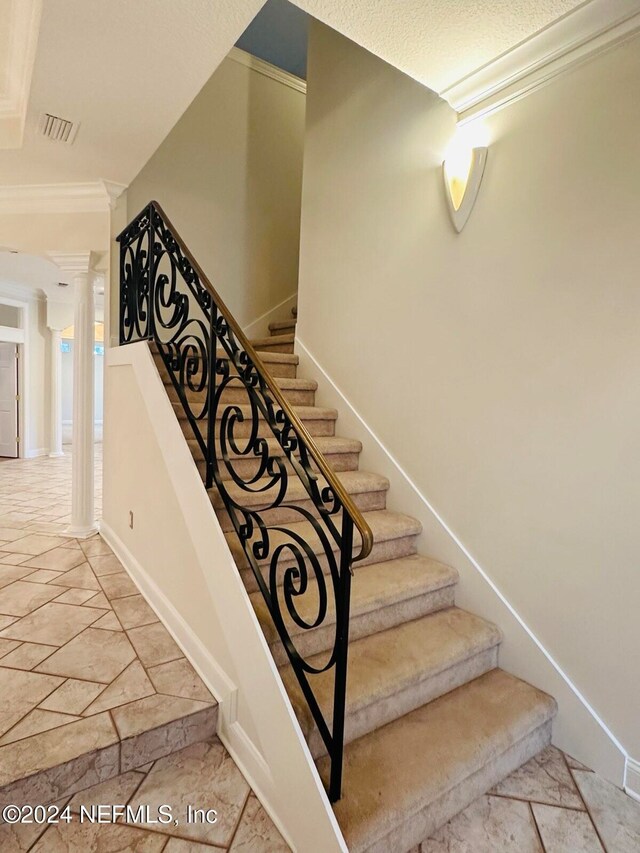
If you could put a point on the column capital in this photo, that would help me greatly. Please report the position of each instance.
(72, 263)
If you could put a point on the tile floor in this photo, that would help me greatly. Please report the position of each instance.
(56, 676)
(86, 669)
(552, 804)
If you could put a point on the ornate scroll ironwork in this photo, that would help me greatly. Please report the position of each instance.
(256, 451)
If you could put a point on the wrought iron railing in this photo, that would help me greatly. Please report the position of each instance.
(166, 299)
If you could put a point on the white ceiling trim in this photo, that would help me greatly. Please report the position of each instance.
(94, 197)
(23, 27)
(262, 67)
(580, 34)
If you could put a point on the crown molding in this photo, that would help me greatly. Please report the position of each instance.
(268, 70)
(586, 31)
(23, 27)
(94, 197)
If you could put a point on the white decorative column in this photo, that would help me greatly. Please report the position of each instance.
(82, 490)
(55, 423)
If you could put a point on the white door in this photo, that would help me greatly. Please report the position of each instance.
(8, 399)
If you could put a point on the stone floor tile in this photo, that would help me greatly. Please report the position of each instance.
(118, 586)
(615, 814)
(180, 845)
(81, 576)
(153, 711)
(11, 559)
(58, 559)
(42, 576)
(72, 697)
(20, 692)
(9, 574)
(545, 779)
(134, 611)
(179, 678)
(109, 622)
(57, 746)
(130, 685)
(34, 544)
(98, 838)
(105, 564)
(99, 600)
(53, 624)
(488, 825)
(27, 656)
(5, 621)
(7, 646)
(88, 656)
(574, 764)
(202, 775)
(95, 547)
(257, 832)
(35, 722)
(22, 597)
(154, 644)
(566, 830)
(114, 791)
(75, 596)
(18, 837)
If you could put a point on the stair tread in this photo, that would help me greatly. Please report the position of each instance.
(283, 382)
(266, 356)
(326, 444)
(392, 773)
(305, 413)
(273, 340)
(374, 586)
(385, 525)
(355, 482)
(385, 664)
(282, 324)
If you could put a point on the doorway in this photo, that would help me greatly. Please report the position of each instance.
(9, 400)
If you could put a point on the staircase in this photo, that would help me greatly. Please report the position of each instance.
(431, 721)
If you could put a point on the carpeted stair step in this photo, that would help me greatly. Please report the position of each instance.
(275, 343)
(394, 536)
(283, 327)
(408, 778)
(318, 421)
(382, 595)
(277, 363)
(396, 671)
(369, 492)
(341, 453)
(298, 392)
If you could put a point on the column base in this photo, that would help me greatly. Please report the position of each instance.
(81, 532)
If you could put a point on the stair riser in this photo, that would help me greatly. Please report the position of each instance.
(381, 552)
(284, 329)
(416, 827)
(319, 427)
(276, 369)
(365, 501)
(321, 639)
(85, 770)
(384, 711)
(268, 347)
(239, 395)
(248, 467)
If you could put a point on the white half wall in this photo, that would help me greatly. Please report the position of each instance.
(177, 553)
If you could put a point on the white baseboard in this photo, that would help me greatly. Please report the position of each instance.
(259, 327)
(429, 510)
(35, 452)
(632, 779)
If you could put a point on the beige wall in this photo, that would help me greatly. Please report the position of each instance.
(498, 366)
(228, 176)
(38, 233)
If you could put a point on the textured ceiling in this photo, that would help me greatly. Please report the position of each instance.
(438, 41)
(127, 69)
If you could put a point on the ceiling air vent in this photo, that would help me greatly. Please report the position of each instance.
(58, 129)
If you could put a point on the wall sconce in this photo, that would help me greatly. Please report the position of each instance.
(462, 169)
